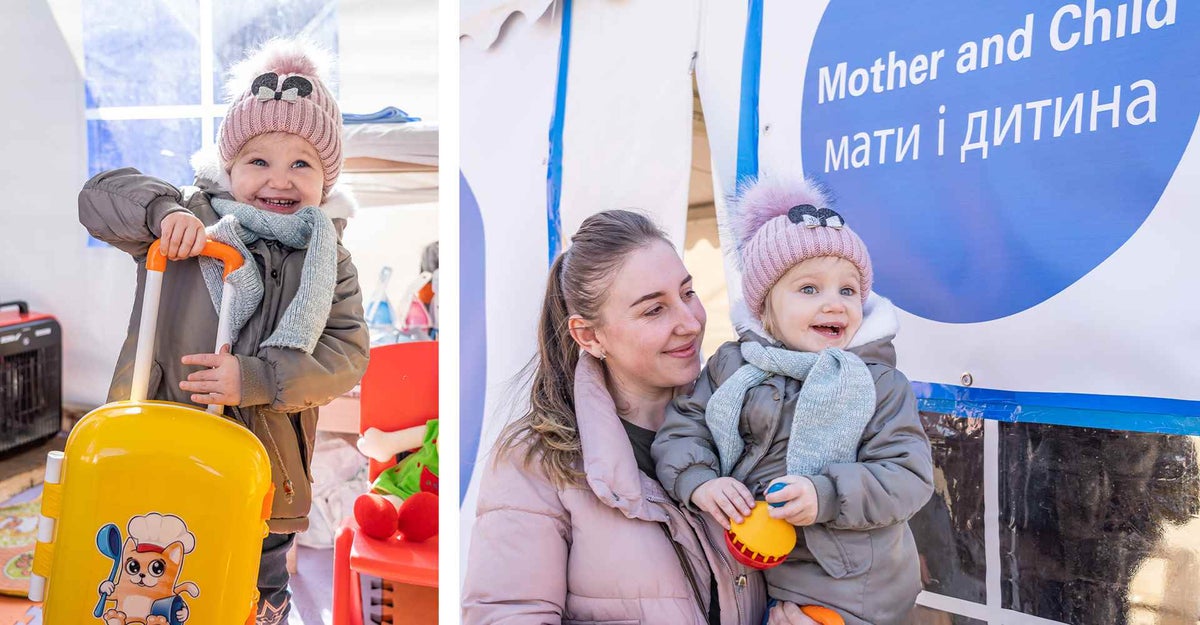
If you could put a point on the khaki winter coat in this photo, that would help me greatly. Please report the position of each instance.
(859, 557)
(281, 388)
(597, 552)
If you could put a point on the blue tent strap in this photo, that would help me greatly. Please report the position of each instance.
(1110, 412)
(747, 154)
(388, 115)
(554, 162)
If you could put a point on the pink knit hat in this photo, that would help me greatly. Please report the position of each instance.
(777, 223)
(279, 89)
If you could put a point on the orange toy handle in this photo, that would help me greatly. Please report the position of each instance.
(822, 615)
(220, 251)
(156, 265)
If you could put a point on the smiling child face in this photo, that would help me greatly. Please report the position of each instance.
(277, 172)
(815, 305)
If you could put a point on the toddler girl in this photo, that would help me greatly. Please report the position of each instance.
(813, 401)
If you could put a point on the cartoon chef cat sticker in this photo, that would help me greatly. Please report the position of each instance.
(144, 585)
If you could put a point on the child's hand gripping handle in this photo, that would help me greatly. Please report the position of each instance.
(156, 264)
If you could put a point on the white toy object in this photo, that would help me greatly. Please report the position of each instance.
(382, 446)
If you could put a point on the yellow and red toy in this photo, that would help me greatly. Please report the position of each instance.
(760, 541)
(155, 512)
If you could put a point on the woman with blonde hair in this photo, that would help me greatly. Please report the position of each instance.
(571, 526)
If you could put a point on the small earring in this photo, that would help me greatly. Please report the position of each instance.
(602, 356)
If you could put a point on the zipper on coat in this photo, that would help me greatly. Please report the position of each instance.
(688, 571)
(726, 558)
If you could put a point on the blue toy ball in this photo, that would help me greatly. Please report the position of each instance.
(774, 487)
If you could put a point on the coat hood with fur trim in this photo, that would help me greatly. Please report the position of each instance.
(212, 178)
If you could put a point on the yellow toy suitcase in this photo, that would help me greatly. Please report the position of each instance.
(155, 512)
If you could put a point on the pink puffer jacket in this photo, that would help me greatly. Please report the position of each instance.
(597, 554)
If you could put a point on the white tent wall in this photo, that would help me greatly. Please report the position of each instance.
(621, 150)
(628, 128)
(718, 79)
(507, 98)
(482, 20)
(43, 254)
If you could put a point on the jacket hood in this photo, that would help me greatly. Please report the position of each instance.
(879, 321)
(608, 463)
(872, 342)
(211, 177)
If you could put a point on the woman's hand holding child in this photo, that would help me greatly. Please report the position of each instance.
(182, 235)
(724, 498)
(800, 496)
(788, 613)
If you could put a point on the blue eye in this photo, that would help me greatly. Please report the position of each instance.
(259, 162)
(300, 164)
(848, 292)
(808, 290)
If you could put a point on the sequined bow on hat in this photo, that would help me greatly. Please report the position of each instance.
(812, 217)
(293, 88)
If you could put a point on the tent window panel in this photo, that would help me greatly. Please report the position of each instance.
(1099, 526)
(239, 26)
(949, 528)
(141, 52)
(159, 147)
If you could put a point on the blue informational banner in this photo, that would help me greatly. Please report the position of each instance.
(996, 153)
(1025, 176)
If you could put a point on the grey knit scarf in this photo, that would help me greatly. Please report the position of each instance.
(833, 407)
(308, 228)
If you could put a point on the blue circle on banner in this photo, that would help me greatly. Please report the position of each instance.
(473, 335)
(971, 240)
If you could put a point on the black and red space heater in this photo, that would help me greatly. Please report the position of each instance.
(30, 377)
